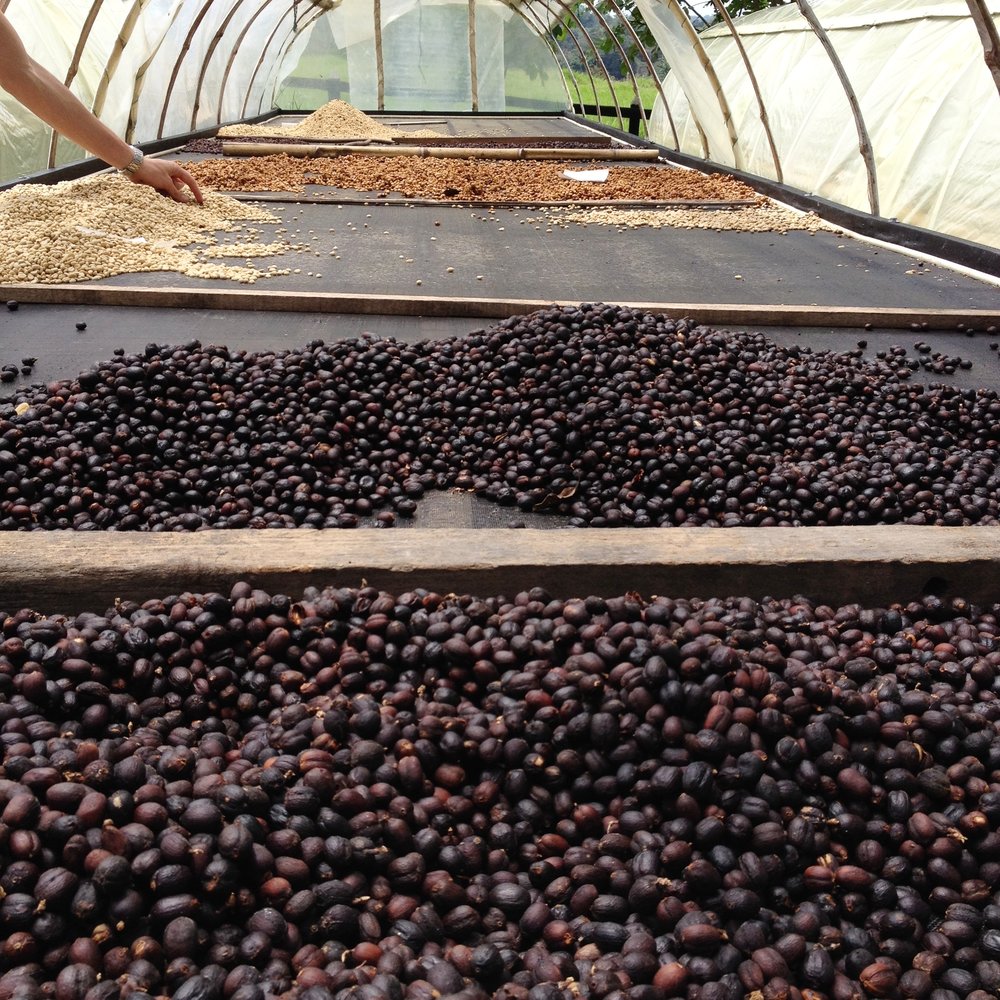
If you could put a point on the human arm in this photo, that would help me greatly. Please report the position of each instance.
(46, 96)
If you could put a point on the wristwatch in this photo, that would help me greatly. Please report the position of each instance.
(133, 165)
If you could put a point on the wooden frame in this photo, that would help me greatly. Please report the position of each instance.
(626, 20)
(706, 64)
(528, 14)
(547, 4)
(209, 53)
(175, 72)
(124, 37)
(271, 300)
(236, 48)
(379, 59)
(473, 57)
(140, 78)
(65, 572)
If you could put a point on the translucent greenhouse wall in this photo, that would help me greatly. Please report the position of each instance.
(426, 54)
(928, 101)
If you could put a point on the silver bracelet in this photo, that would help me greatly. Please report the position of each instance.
(133, 165)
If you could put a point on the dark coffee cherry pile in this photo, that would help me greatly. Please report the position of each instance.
(360, 796)
(607, 416)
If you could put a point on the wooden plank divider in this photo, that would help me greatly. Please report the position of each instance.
(312, 150)
(714, 313)
(66, 571)
(399, 201)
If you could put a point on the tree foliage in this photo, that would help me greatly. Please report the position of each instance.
(737, 8)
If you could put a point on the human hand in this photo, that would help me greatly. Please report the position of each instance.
(169, 177)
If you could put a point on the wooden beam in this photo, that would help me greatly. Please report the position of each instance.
(313, 149)
(379, 61)
(203, 71)
(761, 107)
(988, 34)
(272, 300)
(473, 57)
(625, 20)
(295, 198)
(175, 72)
(864, 139)
(67, 572)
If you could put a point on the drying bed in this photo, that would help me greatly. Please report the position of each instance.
(212, 790)
(609, 416)
(350, 794)
(379, 250)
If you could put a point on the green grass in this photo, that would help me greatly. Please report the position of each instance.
(623, 90)
(321, 67)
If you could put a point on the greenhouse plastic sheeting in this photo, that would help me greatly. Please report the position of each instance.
(157, 68)
(710, 135)
(50, 31)
(929, 103)
(427, 45)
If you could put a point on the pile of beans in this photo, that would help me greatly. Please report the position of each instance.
(334, 120)
(360, 796)
(104, 225)
(767, 217)
(608, 416)
(467, 180)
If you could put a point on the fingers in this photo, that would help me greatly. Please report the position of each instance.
(179, 180)
(191, 183)
(169, 178)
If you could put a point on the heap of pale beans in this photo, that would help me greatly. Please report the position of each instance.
(105, 225)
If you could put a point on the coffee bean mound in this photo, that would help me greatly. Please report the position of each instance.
(359, 795)
(605, 415)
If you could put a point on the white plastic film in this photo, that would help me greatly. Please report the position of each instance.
(668, 27)
(929, 104)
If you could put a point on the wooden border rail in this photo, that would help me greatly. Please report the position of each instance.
(271, 300)
(309, 150)
(66, 571)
